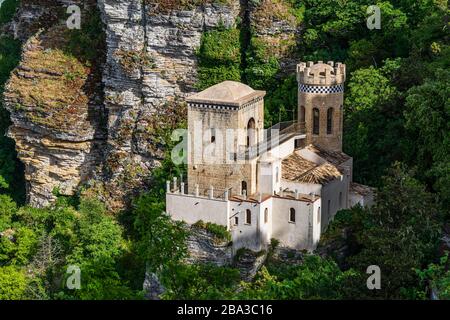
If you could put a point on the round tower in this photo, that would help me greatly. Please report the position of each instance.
(320, 102)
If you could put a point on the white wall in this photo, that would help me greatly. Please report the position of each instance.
(191, 209)
(286, 148)
(267, 176)
(246, 235)
(295, 235)
(305, 188)
(331, 194)
(364, 201)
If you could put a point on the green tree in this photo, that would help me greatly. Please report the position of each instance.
(200, 281)
(315, 278)
(13, 283)
(428, 123)
(161, 241)
(437, 278)
(399, 234)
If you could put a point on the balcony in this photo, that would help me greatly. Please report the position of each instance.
(273, 136)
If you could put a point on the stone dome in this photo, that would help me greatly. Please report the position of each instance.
(227, 92)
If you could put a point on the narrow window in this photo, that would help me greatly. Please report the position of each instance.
(248, 217)
(329, 207)
(330, 121)
(318, 215)
(316, 124)
(340, 199)
(251, 126)
(213, 135)
(277, 175)
(292, 215)
(244, 187)
(236, 221)
(266, 215)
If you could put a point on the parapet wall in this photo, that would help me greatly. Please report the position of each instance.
(321, 74)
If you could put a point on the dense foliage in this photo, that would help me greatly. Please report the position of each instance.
(10, 169)
(397, 118)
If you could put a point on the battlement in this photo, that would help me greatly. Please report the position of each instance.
(321, 74)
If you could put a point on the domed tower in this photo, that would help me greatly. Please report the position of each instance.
(320, 102)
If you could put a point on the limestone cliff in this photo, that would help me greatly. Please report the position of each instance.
(75, 122)
(150, 62)
(56, 106)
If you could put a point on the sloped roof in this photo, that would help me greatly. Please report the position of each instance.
(331, 156)
(296, 168)
(361, 189)
(227, 92)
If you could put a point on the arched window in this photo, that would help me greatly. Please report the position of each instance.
(213, 135)
(302, 114)
(251, 136)
(244, 187)
(316, 122)
(292, 215)
(248, 216)
(266, 215)
(330, 121)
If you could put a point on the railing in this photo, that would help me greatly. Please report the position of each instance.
(274, 136)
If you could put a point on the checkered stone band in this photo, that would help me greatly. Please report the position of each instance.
(322, 89)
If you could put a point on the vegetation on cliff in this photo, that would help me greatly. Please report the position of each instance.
(11, 170)
(397, 110)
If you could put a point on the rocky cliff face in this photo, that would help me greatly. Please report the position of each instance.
(73, 121)
(151, 62)
(56, 106)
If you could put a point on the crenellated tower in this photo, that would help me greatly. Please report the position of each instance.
(320, 102)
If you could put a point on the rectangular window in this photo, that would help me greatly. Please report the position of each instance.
(236, 221)
(292, 215)
(248, 217)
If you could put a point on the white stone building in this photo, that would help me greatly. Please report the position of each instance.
(286, 182)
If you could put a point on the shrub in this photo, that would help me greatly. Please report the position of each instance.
(220, 232)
